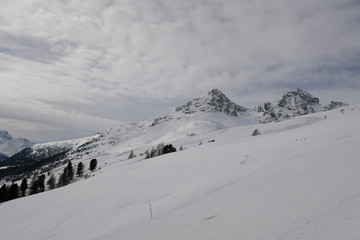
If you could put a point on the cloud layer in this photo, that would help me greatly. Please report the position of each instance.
(68, 68)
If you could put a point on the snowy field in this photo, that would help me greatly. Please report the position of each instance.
(298, 179)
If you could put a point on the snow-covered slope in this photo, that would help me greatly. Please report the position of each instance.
(146, 134)
(207, 113)
(298, 179)
(9, 145)
(44, 150)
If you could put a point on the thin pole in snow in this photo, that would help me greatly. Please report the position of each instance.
(151, 215)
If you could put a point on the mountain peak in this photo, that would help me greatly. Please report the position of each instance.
(293, 103)
(216, 92)
(298, 98)
(5, 135)
(333, 105)
(214, 101)
(10, 145)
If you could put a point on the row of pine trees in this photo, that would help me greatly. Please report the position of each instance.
(37, 184)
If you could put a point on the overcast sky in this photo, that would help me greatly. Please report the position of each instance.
(71, 68)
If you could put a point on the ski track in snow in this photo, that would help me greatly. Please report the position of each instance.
(337, 217)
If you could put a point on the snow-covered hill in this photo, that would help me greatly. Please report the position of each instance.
(207, 113)
(298, 179)
(9, 145)
(210, 112)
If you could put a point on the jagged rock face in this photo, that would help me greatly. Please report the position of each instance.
(293, 103)
(214, 101)
(298, 100)
(334, 105)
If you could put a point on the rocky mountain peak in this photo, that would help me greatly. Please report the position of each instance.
(293, 103)
(5, 136)
(10, 145)
(334, 105)
(214, 101)
(298, 98)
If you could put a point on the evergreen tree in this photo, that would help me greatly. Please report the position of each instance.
(34, 185)
(159, 149)
(93, 164)
(51, 182)
(13, 191)
(63, 179)
(80, 169)
(147, 154)
(41, 182)
(70, 171)
(23, 187)
(131, 155)
(255, 132)
(3, 193)
(152, 153)
(169, 148)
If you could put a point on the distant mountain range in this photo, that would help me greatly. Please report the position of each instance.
(293, 103)
(210, 112)
(3, 157)
(9, 145)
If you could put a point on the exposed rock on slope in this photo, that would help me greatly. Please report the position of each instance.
(214, 101)
(293, 103)
(334, 105)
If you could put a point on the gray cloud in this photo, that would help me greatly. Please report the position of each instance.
(95, 62)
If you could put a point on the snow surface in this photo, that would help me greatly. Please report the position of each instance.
(299, 179)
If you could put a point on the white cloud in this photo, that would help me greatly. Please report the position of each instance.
(75, 58)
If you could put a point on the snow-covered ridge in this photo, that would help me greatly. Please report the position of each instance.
(214, 101)
(41, 151)
(208, 113)
(9, 145)
(334, 105)
(51, 148)
(293, 103)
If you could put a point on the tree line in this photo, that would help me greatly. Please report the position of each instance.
(160, 149)
(38, 184)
